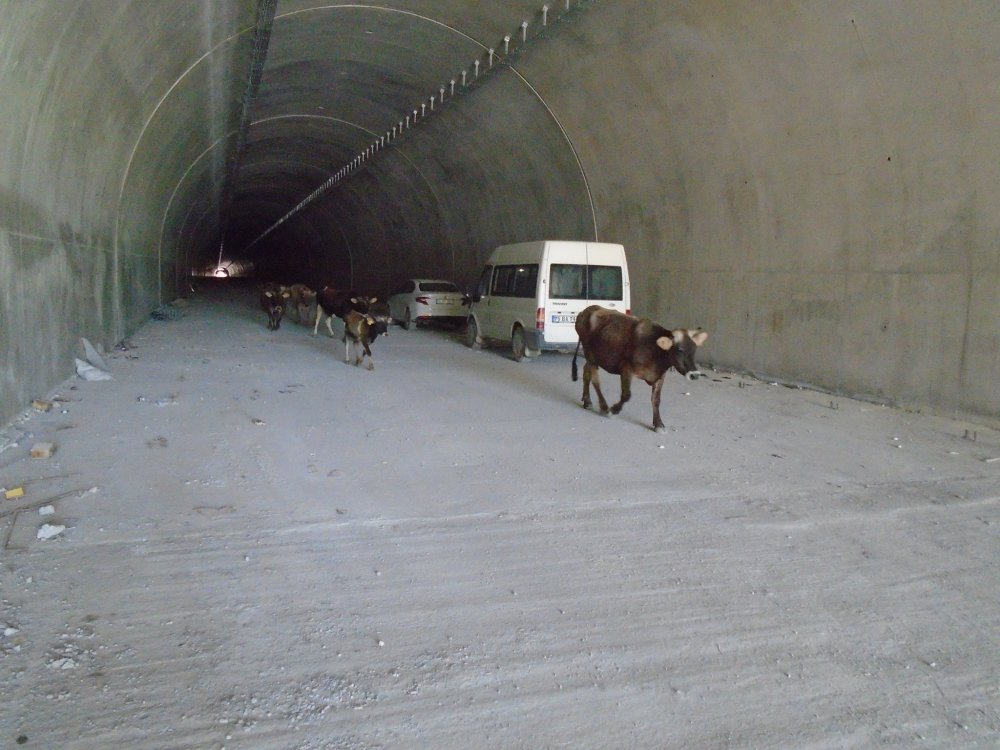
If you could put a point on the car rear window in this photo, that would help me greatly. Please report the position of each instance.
(437, 286)
(577, 281)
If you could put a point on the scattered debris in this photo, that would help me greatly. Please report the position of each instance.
(14, 493)
(42, 450)
(992, 460)
(88, 372)
(971, 435)
(257, 422)
(47, 510)
(169, 311)
(49, 531)
(93, 356)
(9, 439)
(157, 442)
(39, 405)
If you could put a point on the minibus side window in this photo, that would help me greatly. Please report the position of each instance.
(525, 280)
(483, 287)
(502, 281)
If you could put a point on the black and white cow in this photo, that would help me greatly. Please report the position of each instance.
(339, 302)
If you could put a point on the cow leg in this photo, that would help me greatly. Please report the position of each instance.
(657, 422)
(368, 351)
(329, 326)
(319, 314)
(595, 378)
(626, 390)
(587, 370)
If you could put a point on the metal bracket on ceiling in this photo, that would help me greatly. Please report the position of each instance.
(467, 86)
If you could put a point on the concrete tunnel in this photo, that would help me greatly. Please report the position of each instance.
(814, 183)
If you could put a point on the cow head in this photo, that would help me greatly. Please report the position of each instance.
(362, 303)
(683, 344)
(379, 319)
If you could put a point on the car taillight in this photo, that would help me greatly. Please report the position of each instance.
(540, 318)
(423, 300)
(628, 310)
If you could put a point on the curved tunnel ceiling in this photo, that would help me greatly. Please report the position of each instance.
(474, 171)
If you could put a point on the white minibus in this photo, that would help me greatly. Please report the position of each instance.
(529, 293)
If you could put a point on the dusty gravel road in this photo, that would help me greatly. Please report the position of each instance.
(267, 548)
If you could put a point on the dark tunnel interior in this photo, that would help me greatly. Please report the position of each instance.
(435, 176)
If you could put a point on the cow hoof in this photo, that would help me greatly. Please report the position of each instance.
(659, 429)
(616, 409)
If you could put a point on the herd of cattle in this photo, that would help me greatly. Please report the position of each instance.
(365, 318)
(621, 344)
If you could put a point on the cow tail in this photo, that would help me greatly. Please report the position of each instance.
(574, 372)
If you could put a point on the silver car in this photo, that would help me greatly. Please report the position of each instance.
(421, 301)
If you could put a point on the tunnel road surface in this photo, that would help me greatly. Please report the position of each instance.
(264, 547)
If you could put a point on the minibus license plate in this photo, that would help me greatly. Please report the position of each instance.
(563, 318)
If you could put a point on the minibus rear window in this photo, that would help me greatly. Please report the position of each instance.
(577, 281)
(605, 282)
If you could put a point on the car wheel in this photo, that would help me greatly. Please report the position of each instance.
(517, 346)
(471, 333)
(405, 322)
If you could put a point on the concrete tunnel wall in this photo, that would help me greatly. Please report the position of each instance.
(813, 183)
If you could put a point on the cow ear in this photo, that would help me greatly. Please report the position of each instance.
(665, 342)
(699, 337)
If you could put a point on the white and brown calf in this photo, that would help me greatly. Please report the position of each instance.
(361, 330)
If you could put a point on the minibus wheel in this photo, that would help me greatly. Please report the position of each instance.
(471, 333)
(517, 345)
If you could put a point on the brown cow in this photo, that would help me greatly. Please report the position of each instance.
(301, 301)
(629, 346)
(273, 299)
